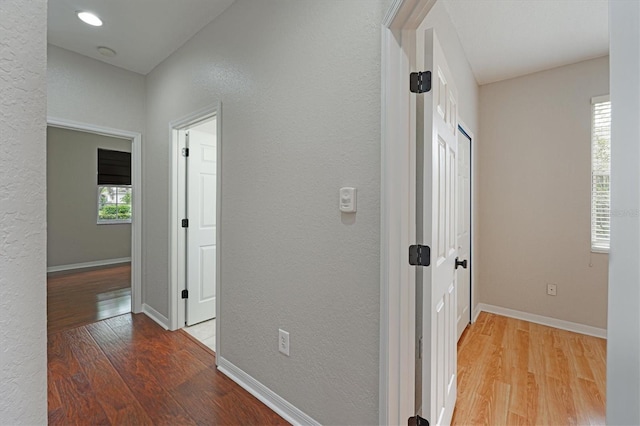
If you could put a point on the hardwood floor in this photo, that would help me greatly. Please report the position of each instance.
(128, 370)
(513, 372)
(81, 297)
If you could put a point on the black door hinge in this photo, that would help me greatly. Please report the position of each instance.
(185, 152)
(419, 255)
(185, 223)
(420, 82)
(185, 294)
(418, 421)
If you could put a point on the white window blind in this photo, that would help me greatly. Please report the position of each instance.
(600, 173)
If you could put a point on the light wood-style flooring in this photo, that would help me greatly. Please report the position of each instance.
(84, 296)
(513, 372)
(127, 370)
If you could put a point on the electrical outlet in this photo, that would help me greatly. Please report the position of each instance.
(551, 289)
(283, 341)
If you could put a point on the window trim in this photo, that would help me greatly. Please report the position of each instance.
(597, 246)
(112, 221)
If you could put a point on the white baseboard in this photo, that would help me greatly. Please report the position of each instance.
(539, 319)
(156, 316)
(88, 264)
(272, 400)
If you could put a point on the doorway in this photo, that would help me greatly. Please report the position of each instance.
(195, 238)
(93, 249)
(399, 345)
(464, 184)
(199, 156)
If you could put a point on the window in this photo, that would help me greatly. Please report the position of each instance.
(600, 173)
(114, 186)
(114, 204)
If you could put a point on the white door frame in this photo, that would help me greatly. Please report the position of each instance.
(398, 198)
(177, 247)
(472, 204)
(136, 220)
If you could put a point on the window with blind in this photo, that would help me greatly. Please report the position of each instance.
(600, 173)
(114, 187)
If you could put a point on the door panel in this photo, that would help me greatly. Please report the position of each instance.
(207, 270)
(464, 232)
(201, 233)
(208, 202)
(439, 231)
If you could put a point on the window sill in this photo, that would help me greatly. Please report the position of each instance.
(115, 222)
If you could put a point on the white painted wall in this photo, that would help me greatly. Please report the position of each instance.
(73, 234)
(23, 336)
(535, 185)
(300, 86)
(439, 19)
(623, 344)
(89, 91)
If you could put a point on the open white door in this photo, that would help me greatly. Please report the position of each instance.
(463, 288)
(201, 231)
(437, 192)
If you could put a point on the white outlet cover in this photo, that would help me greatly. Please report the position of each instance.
(283, 342)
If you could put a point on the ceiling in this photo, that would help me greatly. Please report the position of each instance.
(502, 38)
(142, 32)
(509, 38)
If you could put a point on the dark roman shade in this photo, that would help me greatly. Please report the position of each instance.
(114, 167)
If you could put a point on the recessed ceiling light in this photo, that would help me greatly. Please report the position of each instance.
(89, 18)
(106, 51)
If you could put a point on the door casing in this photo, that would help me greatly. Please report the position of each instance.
(398, 155)
(465, 132)
(177, 240)
(136, 175)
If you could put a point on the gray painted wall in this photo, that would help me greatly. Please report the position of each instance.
(300, 86)
(536, 194)
(89, 91)
(73, 235)
(22, 244)
(623, 339)
(23, 332)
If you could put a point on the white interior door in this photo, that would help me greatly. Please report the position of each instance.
(463, 289)
(201, 232)
(437, 191)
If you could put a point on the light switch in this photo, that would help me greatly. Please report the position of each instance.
(348, 200)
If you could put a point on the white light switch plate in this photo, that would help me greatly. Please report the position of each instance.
(348, 200)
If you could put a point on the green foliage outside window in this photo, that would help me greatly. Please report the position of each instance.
(111, 211)
(114, 204)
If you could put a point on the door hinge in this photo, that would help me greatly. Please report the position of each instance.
(462, 263)
(185, 223)
(185, 294)
(418, 421)
(420, 348)
(185, 152)
(419, 255)
(420, 82)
